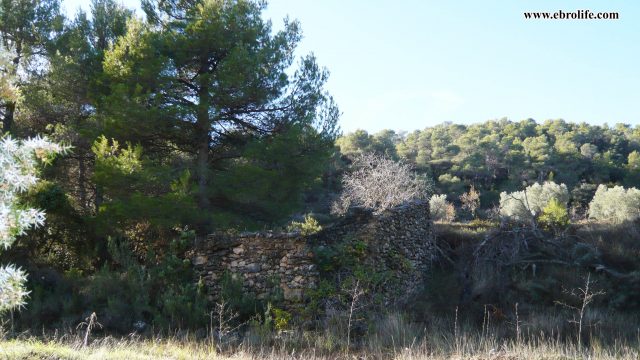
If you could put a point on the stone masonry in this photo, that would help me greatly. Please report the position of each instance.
(260, 260)
(399, 241)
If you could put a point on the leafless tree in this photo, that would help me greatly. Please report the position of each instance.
(379, 183)
(585, 295)
(355, 294)
(222, 318)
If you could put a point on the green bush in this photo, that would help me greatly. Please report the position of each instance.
(281, 319)
(528, 204)
(554, 215)
(309, 226)
(118, 298)
(615, 205)
(162, 293)
(54, 300)
(179, 301)
(245, 304)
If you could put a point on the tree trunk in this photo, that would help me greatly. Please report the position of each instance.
(202, 169)
(10, 106)
(82, 179)
(202, 135)
(7, 121)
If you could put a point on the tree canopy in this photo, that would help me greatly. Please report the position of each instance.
(503, 155)
(197, 115)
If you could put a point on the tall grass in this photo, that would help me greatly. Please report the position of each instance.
(435, 346)
(392, 336)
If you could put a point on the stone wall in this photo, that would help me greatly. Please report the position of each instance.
(260, 260)
(398, 242)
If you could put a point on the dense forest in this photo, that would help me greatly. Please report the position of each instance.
(197, 117)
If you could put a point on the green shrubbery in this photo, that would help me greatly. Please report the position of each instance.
(554, 215)
(529, 203)
(344, 268)
(615, 205)
(162, 294)
(308, 227)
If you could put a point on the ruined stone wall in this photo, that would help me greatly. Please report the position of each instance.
(261, 261)
(398, 242)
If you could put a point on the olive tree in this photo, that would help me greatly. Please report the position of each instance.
(615, 205)
(528, 204)
(441, 209)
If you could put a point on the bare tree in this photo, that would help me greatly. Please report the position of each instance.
(585, 295)
(379, 183)
(224, 317)
(355, 294)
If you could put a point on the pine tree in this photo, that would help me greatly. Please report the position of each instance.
(207, 80)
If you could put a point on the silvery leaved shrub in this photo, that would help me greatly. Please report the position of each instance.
(615, 205)
(18, 165)
(530, 203)
(441, 209)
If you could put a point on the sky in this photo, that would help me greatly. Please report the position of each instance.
(410, 64)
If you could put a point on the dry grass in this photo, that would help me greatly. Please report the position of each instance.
(394, 339)
(464, 348)
(36, 349)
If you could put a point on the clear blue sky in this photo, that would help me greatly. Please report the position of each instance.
(405, 65)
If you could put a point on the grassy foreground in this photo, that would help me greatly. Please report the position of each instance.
(465, 348)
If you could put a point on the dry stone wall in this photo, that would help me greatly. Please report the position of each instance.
(261, 261)
(398, 242)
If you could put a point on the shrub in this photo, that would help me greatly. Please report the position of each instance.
(379, 183)
(18, 161)
(441, 209)
(308, 227)
(246, 305)
(529, 204)
(615, 205)
(177, 300)
(471, 201)
(554, 215)
(450, 184)
(119, 298)
(126, 295)
(281, 319)
(581, 195)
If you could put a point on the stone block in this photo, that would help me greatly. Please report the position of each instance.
(253, 268)
(291, 294)
(238, 250)
(199, 260)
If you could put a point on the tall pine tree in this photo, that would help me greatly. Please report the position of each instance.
(207, 81)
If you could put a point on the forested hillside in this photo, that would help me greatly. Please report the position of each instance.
(503, 155)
